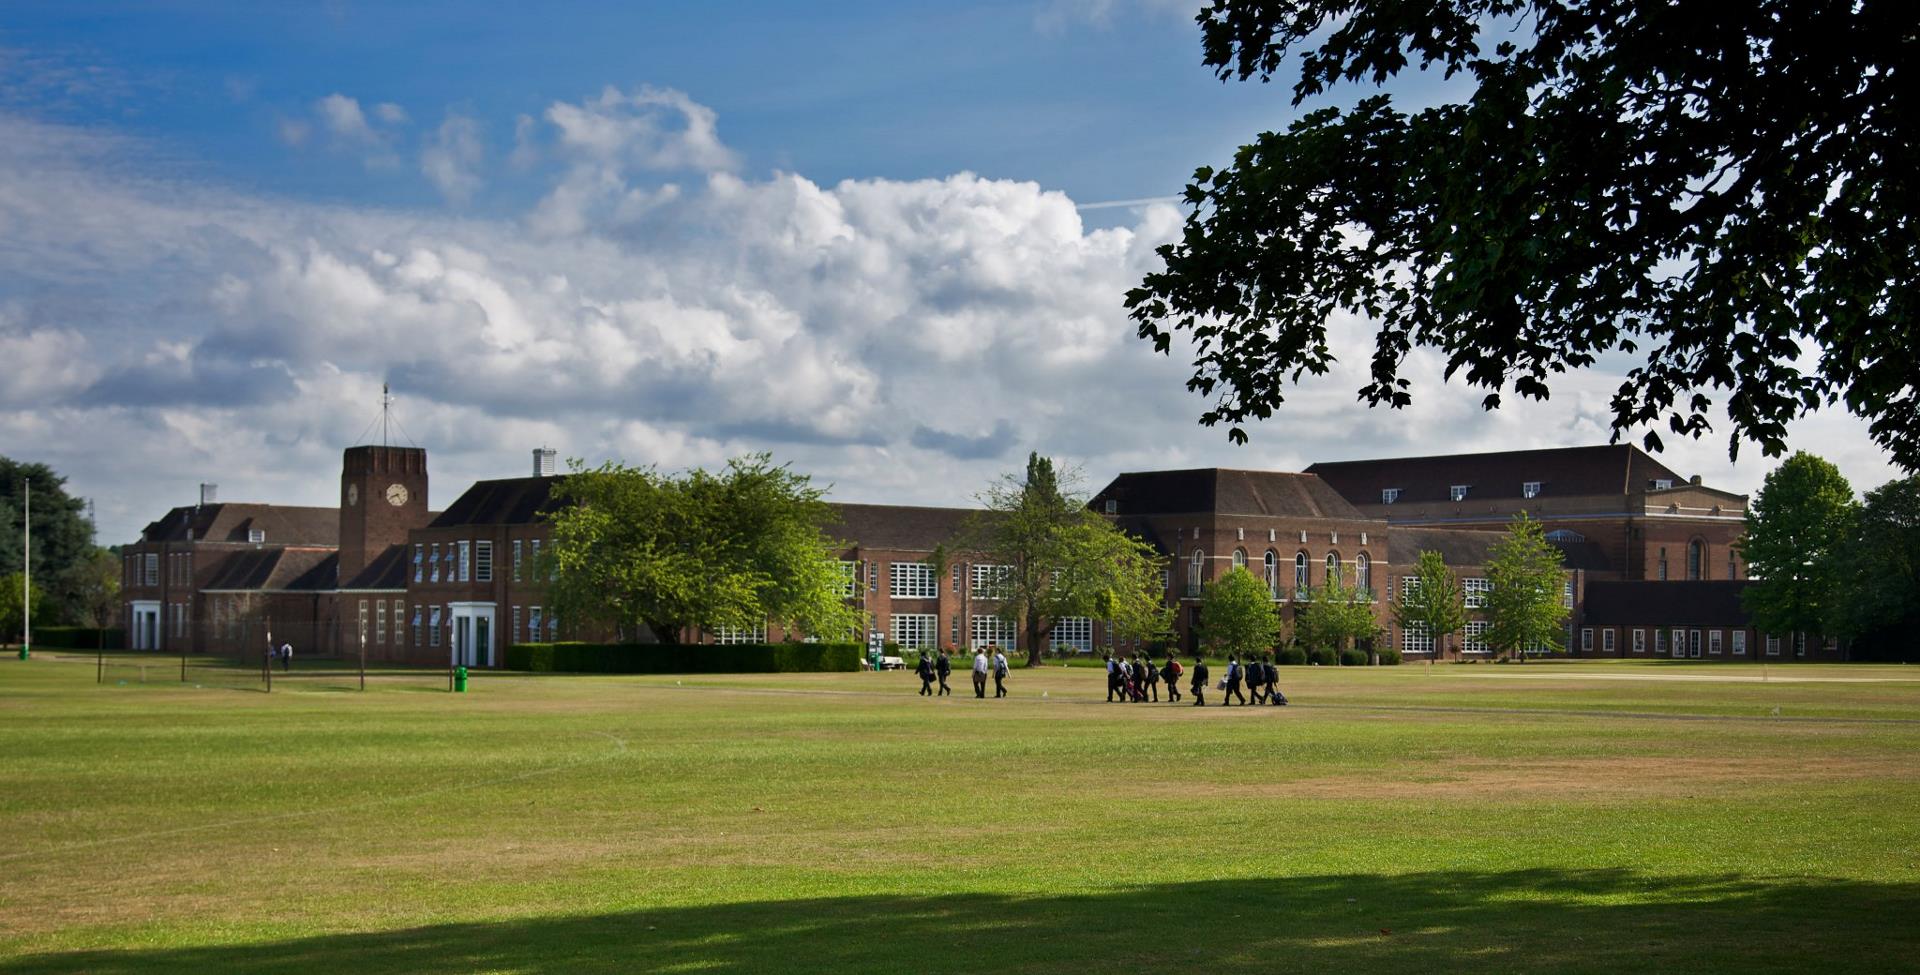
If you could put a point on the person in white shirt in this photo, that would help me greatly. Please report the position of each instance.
(999, 673)
(980, 673)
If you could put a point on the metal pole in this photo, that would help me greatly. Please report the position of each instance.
(266, 660)
(26, 586)
(363, 658)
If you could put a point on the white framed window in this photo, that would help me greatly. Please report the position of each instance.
(912, 580)
(1333, 568)
(1414, 638)
(991, 630)
(466, 556)
(256, 535)
(1074, 631)
(416, 626)
(1362, 572)
(435, 575)
(1239, 558)
(1566, 592)
(1112, 506)
(1476, 637)
(1606, 640)
(1639, 640)
(1300, 570)
(1530, 489)
(1799, 644)
(514, 634)
(1458, 492)
(1679, 642)
(380, 622)
(849, 583)
(1659, 642)
(1565, 535)
(533, 551)
(990, 581)
(1586, 639)
(1773, 646)
(483, 561)
(1196, 571)
(433, 627)
(1662, 483)
(1739, 643)
(1714, 639)
(729, 635)
(419, 559)
(516, 567)
(1166, 579)
(914, 629)
(1476, 591)
(1271, 563)
(399, 613)
(1389, 495)
(153, 569)
(534, 618)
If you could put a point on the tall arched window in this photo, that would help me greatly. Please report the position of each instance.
(1362, 572)
(1239, 558)
(1696, 558)
(1196, 567)
(1273, 574)
(1333, 568)
(1300, 570)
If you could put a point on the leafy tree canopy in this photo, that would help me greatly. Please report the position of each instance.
(1709, 189)
(1431, 600)
(1063, 560)
(63, 549)
(1880, 571)
(1335, 615)
(1237, 615)
(1526, 607)
(13, 601)
(702, 550)
(1797, 524)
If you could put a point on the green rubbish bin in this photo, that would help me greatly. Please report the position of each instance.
(459, 680)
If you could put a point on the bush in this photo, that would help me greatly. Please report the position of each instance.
(1324, 657)
(693, 658)
(80, 637)
(1353, 658)
(1388, 656)
(1292, 657)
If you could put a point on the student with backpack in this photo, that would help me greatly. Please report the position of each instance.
(925, 670)
(1199, 681)
(1273, 684)
(1113, 675)
(1233, 683)
(1171, 674)
(999, 673)
(1153, 677)
(1256, 677)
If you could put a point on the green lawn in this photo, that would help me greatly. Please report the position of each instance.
(1547, 817)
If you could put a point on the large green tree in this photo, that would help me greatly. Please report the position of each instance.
(1722, 191)
(1798, 527)
(1879, 577)
(1061, 560)
(700, 550)
(1238, 615)
(1336, 615)
(1525, 607)
(1431, 601)
(63, 548)
(14, 598)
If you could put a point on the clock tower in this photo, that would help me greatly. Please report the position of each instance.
(383, 495)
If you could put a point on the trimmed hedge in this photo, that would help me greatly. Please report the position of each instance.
(80, 637)
(689, 658)
(1353, 658)
(1292, 657)
(1389, 657)
(1324, 657)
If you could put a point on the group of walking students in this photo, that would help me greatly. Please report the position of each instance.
(940, 666)
(1136, 679)
(1133, 679)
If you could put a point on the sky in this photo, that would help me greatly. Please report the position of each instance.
(886, 242)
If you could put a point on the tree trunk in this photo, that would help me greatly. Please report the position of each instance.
(1035, 655)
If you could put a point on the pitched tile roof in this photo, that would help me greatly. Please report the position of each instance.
(899, 527)
(508, 501)
(277, 568)
(1562, 472)
(232, 522)
(1461, 546)
(1225, 492)
(1713, 602)
(388, 570)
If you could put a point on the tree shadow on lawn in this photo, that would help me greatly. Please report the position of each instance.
(1532, 920)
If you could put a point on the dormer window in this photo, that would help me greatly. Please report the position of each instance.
(1113, 507)
(1458, 492)
(1662, 483)
(256, 535)
(1389, 495)
(1530, 489)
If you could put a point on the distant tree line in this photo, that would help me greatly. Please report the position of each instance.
(75, 582)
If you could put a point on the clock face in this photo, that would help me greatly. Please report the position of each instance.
(396, 494)
(353, 494)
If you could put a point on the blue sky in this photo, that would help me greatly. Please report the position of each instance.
(874, 239)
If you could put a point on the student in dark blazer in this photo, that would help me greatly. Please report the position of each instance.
(1171, 675)
(925, 670)
(1199, 681)
(944, 668)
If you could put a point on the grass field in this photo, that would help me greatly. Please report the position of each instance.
(1550, 817)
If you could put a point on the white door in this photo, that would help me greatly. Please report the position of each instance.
(146, 625)
(473, 635)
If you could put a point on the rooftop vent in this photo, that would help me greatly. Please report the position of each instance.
(543, 461)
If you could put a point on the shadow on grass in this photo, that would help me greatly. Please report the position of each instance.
(1533, 920)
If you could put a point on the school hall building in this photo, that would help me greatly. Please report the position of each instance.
(1646, 551)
